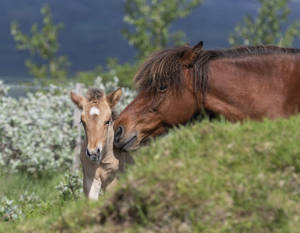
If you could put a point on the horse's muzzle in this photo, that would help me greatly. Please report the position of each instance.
(125, 143)
(94, 155)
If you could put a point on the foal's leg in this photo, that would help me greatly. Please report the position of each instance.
(92, 187)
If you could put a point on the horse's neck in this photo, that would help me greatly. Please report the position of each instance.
(231, 85)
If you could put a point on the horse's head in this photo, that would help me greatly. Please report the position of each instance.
(96, 117)
(166, 97)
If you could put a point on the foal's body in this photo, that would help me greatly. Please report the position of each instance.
(97, 176)
(103, 176)
(99, 162)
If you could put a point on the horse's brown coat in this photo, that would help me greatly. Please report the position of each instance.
(243, 83)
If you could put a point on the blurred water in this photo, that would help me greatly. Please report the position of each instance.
(16, 87)
(18, 91)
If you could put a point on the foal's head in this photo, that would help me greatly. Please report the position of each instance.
(96, 117)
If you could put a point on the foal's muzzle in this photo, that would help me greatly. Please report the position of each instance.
(94, 155)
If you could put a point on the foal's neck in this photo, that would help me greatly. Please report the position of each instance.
(109, 156)
(109, 142)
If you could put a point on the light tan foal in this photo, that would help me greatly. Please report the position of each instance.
(97, 156)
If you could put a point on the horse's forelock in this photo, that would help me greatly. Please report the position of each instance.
(162, 68)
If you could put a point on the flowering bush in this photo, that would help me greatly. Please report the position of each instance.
(8, 210)
(29, 199)
(36, 133)
(12, 210)
(71, 187)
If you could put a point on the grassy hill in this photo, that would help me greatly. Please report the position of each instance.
(206, 177)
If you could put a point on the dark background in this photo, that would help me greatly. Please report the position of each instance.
(92, 29)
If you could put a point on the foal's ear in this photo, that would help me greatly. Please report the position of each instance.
(114, 97)
(77, 99)
(189, 58)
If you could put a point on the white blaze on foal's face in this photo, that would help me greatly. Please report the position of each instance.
(94, 111)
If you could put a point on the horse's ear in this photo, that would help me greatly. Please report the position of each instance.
(77, 99)
(198, 47)
(189, 57)
(114, 97)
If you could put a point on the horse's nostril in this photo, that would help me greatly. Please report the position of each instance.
(98, 151)
(119, 133)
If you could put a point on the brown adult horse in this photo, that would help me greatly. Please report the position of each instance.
(178, 83)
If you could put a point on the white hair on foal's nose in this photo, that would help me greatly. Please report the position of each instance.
(94, 111)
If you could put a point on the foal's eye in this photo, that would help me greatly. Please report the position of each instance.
(106, 122)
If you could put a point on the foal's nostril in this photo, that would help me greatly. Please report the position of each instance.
(119, 133)
(98, 151)
(88, 153)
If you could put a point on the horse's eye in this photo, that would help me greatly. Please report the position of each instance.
(163, 88)
(153, 110)
(107, 122)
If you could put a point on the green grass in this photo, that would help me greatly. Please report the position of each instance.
(207, 177)
(49, 203)
(13, 185)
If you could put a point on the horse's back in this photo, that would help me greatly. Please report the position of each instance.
(259, 86)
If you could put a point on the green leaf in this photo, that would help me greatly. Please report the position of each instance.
(266, 28)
